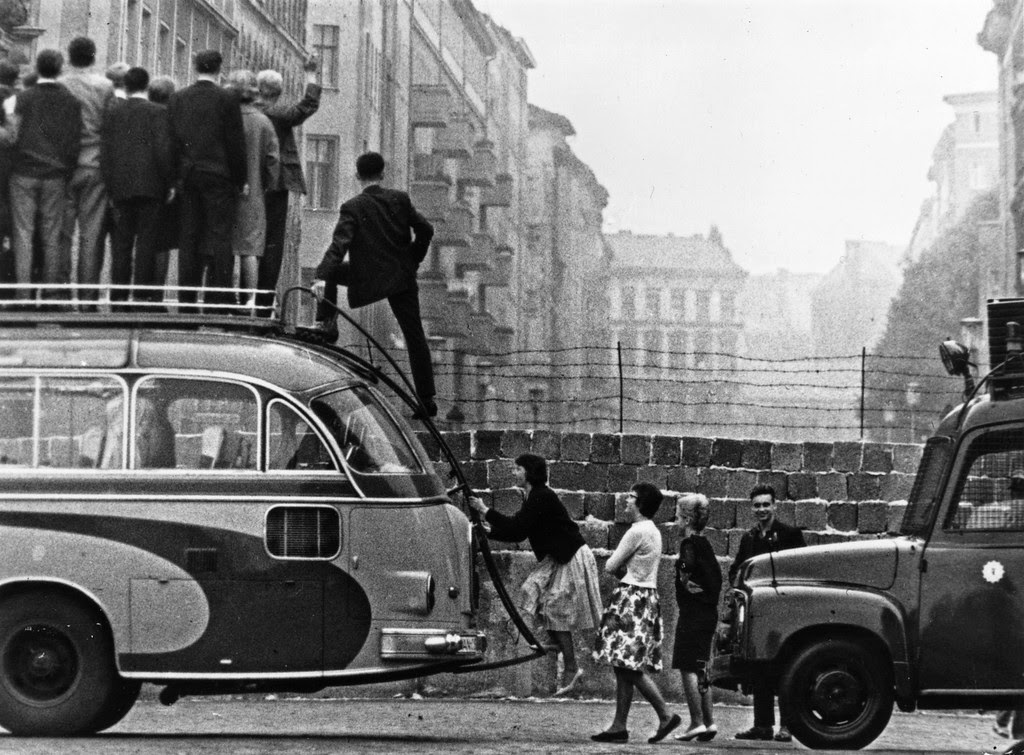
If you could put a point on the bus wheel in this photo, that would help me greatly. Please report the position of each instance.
(124, 699)
(57, 672)
(836, 694)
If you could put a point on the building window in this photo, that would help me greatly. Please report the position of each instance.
(977, 122)
(325, 43)
(653, 304)
(146, 41)
(728, 307)
(181, 60)
(322, 172)
(678, 303)
(628, 309)
(703, 305)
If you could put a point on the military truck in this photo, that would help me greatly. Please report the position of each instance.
(930, 619)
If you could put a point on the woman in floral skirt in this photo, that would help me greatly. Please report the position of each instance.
(629, 639)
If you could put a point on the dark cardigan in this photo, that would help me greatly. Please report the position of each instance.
(543, 521)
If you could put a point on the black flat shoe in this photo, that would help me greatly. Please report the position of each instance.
(611, 736)
(665, 730)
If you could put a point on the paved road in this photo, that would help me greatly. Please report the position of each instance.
(248, 726)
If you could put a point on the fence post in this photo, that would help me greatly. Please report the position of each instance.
(618, 346)
(863, 380)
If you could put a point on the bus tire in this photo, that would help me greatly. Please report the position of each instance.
(124, 699)
(57, 672)
(836, 694)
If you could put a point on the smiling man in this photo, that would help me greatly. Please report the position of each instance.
(768, 535)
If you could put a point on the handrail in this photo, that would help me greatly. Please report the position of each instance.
(481, 535)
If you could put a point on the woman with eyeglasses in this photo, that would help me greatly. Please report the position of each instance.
(562, 594)
(698, 583)
(629, 639)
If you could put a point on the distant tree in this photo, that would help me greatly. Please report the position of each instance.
(939, 289)
(13, 13)
(715, 236)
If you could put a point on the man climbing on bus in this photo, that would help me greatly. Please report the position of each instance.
(385, 239)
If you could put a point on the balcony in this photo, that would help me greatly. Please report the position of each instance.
(479, 170)
(458, 226)
(477, 256)
(500, 272)
(499, 195)
(429, 167)
(455, 140)
(430, 197)
(503, 338)
(481, 333)
(433, 297)
(455, 322)
(430, 105)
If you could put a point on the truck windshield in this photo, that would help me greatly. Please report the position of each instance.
(924, 497)
(369, 439)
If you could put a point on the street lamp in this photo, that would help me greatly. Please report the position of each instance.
(913, 399)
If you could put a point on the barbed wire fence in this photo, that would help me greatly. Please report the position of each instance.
(617, 388)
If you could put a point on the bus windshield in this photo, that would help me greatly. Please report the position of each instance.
(368, 437)
(924, 497)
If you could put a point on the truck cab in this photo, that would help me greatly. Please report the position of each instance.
(930, 619)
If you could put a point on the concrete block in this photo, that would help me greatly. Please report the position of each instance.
(846, 456)
(864, 487)
(741, 482)
(683, 479)
(811, 515)
(600, 505)
(841, 516)
(430, 444)
(620, 477)
(894, 516)
(568, 475)
(827, 538)
(669, 539)
(745, 515)
(787, 457)
(507, 501)
(459, 442)
(722, 513)
(667, 511)
(817, 457)
(757, 454)
(547, 444)
(501, 473)
(595, 533)
(832, 486)
(635, 449)
(778, 480)
(621, 516)
(486, 444)
(785, 510)
(666, 450)
(719, 540)
(615, 533)
(574, 504)
(697, 451)
(575, 447)
(896, 486)
(872, 516)
(655, 475)
(604, 447)
(596, 476)
(476, 474)
(727, 452)
(735, 536)
(514, 443)
(877, 457)
(802, 485)
(906, 457)
(714, 483)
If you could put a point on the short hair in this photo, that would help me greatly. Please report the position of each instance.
(699, 507)
(136, 79)
(270, 84)
(762, 490)
(243, 83)
(9, 73)
(160, 89)
(370, 165)
(208, 61)
(117, 72)
(49, 64)
(648, 498)
(81, 52)
(536, 468)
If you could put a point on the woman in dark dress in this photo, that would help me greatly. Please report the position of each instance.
(698, 583)
(562, 594)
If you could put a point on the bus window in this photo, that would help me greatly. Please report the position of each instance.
(79, 422)
(367, 436)
(292, 444)
(187, 423)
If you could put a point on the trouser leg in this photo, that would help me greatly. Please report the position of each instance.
(273, 250)
(406, 307)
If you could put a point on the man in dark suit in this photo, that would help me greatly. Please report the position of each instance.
(136, 161)
(290, 178)
(386, 240)
(769, 535)
(209, 142)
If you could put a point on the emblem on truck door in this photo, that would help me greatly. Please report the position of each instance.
(992, 571)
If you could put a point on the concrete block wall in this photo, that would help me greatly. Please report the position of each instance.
(835, 491)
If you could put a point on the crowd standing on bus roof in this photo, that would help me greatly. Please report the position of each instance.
(194, 188)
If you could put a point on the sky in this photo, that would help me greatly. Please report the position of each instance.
(792, 125)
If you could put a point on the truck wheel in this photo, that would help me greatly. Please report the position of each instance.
(57, 672)
(836, 695)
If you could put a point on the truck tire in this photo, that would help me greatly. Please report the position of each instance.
(57, 672)
(836, 694)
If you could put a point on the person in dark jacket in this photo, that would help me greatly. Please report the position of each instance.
(48, 122)
(136, 162)
(562, 594)
(284, 117)
(385, 239)
(209, 143)
(698, 583)
(769, 535)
